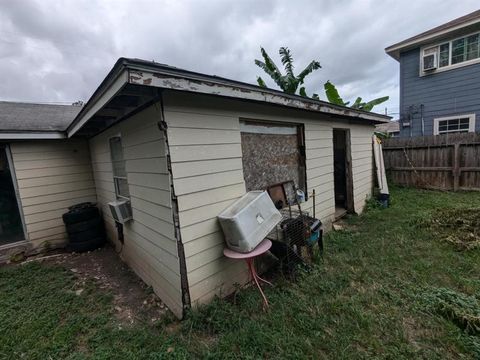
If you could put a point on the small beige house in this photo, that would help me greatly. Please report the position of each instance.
(181, 146)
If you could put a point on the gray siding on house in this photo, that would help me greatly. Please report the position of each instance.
(446, 93)
(150, 246)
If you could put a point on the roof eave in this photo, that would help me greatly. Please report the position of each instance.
(139, 72)
(114, 81)
(395, 54)
(140, 75)
(416, 41)
(32, 135)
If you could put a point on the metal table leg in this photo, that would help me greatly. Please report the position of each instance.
(256, 278)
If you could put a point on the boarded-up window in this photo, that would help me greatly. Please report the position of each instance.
(272, 153)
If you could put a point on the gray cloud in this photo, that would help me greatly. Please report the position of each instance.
(59, 51)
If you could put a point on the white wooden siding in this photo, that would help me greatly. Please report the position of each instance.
(51, 175)
(150, 247)
(362, 164)
(206, 154)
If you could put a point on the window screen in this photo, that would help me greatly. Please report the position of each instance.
(458, 51)
(465, 49)
(473, 42)
(453, 125)
(118, 168)
(444, 59)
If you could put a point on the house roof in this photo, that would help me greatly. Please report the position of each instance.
(389, 127)
(19, 117)
(133, 83)
(129, 75)
(469, 21)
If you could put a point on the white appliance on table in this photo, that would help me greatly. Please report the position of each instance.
(249, 220)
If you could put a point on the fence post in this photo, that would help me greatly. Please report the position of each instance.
(456, 166)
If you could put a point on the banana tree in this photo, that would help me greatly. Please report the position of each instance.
(333, 97)
(289, 82)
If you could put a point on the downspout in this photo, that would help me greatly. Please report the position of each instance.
(186, 302)
(410, 118)
(411, 121)
(423, 122)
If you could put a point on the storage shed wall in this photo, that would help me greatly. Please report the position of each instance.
(206, 155)
(51, 176)
(150, 247)
(362, 164)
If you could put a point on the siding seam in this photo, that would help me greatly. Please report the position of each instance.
(162, 125)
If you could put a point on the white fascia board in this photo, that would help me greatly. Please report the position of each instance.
(103, 99)
(32, 135)
(179, 83)
(394, 50)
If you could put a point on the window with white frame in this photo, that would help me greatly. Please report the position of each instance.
(118, 168)
(449, 54)
(454, 124)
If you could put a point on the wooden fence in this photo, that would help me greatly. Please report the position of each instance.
(446, 162)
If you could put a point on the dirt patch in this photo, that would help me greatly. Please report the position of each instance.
(460, 227)
(343, 225)
(415, 332)
(133, 300)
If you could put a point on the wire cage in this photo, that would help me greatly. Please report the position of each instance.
(295, 236)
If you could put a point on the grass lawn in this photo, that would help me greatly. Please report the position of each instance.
(391, 286)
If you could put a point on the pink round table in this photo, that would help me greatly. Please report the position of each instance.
(249, 258)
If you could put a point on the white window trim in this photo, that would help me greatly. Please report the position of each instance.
(121, 197)
(118, 196)
(450, 66)
(471, 125)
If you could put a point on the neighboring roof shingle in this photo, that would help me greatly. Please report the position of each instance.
(466, 19)
(391, 126)
(17, 116)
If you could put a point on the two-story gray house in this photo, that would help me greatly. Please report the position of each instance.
(440, 78)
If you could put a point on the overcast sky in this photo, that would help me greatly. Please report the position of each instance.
(60, 51)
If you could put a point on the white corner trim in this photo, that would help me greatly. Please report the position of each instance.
(471, 124)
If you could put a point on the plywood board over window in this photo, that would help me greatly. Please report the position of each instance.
(272, 153)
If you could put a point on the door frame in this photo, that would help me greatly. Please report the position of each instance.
(349, 172)
(349, 196)
(13, 176)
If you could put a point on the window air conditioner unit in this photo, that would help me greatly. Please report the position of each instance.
(430, 62)
(121, 210)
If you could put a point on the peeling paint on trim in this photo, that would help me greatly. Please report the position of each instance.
(209, 87)
(147, 73)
